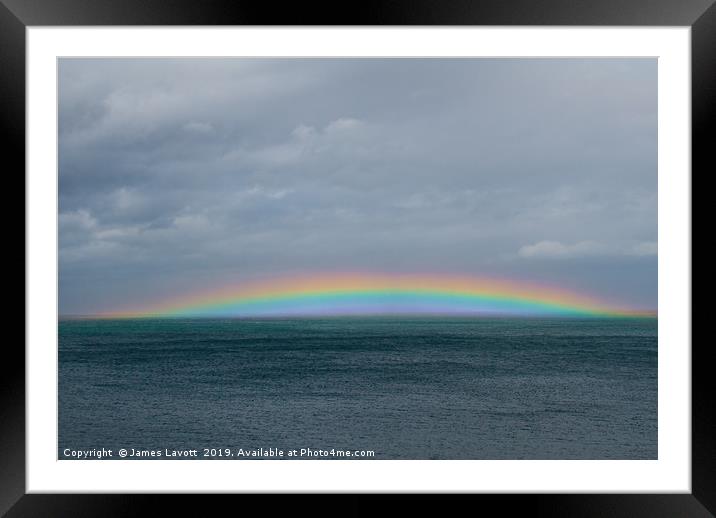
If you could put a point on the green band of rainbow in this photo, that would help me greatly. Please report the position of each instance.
(368, 294)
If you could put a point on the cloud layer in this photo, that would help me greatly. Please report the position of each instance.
(557, 250)
(182, 173)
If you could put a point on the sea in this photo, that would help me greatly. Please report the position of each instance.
(359, 388)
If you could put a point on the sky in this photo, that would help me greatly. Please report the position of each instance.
(178, 175)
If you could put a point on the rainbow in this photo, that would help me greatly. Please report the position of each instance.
(383, 294)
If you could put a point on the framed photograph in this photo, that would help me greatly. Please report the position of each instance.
(411, 249)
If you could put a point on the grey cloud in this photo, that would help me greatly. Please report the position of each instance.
(645, 248)
(557, 250)
(181, 173)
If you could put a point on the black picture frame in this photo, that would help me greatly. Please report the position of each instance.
(16, 15)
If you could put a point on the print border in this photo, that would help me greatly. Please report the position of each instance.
(16, 15)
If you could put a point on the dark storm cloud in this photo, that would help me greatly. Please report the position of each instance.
(181, 173)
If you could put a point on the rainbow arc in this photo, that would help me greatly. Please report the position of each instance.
(384, 294)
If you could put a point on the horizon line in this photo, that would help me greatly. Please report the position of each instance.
(315, 316)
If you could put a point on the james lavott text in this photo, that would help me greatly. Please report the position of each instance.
(131, 452)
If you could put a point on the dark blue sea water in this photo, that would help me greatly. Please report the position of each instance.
(405, 388)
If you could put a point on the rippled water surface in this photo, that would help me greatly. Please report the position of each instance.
(405, 388)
